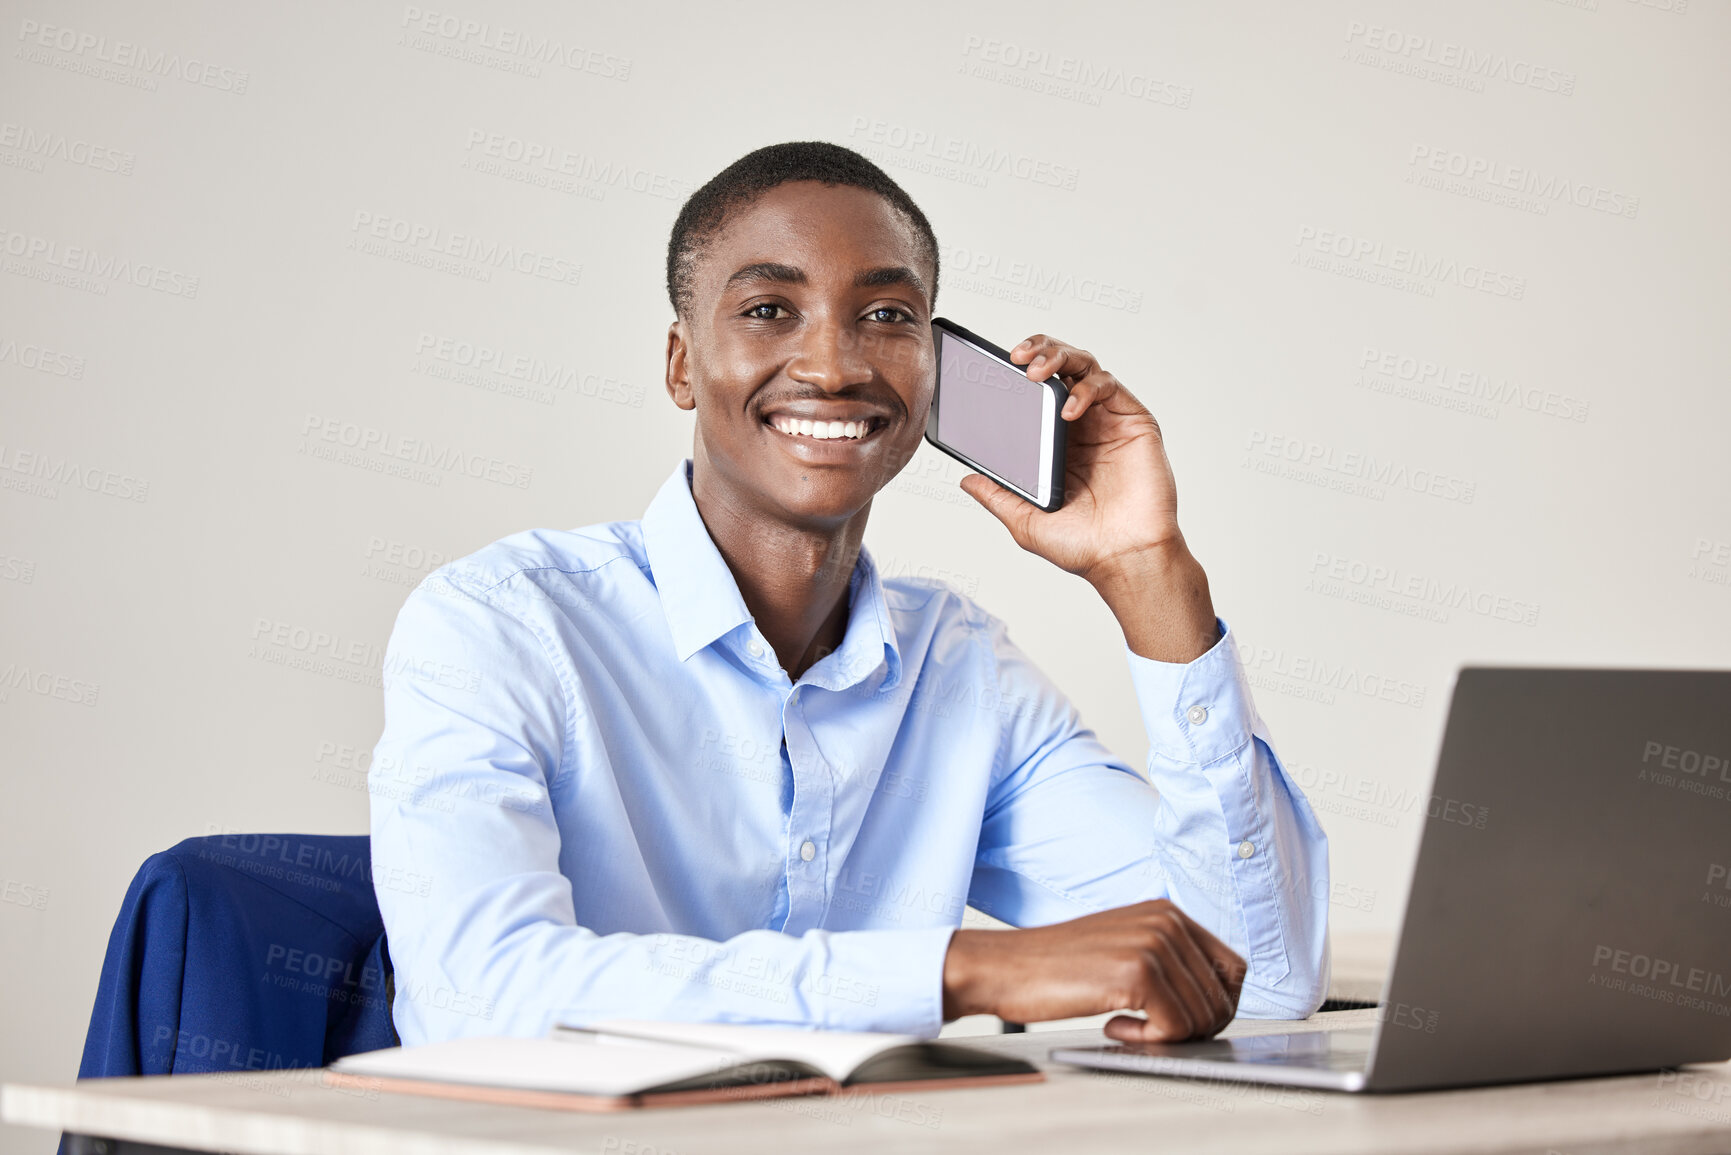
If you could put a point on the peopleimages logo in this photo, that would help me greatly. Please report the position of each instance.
(322, 437)
(976, 270)
(426, 241)
(42, 360)
(1717, 892)
(125, 54)
(1693, 762)
(47, 684)
(45, 144)
(1069, 77)
(1348, 470)
(1262, 663)
(44, 473)
(1420, 590)
(1352, 795)
(1544, 187)
(1662, 974)
(1711, 561)
(931, 144)
(586, 168)
(1406, 262)
(91, 263)
(1691, 771)
(1469, 384)
(1473, 64)
(528, 47)
(537, 377)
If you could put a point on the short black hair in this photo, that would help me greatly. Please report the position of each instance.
(754, 174)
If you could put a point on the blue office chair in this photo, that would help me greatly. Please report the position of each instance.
(243, 952)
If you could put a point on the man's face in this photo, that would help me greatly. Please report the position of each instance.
(810, 313)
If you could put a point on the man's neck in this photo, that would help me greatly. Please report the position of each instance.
(794, 579)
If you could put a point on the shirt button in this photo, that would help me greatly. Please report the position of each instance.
(754, 648)
(1246, 848)
(1197, 715)
(808, 852)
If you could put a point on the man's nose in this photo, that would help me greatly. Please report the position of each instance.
(832, 357)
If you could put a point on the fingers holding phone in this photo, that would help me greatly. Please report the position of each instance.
(1095, 495)
(1088, 383)
(1049, 425)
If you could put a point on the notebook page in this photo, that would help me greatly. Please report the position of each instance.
(544, 1064)
(835, 1053)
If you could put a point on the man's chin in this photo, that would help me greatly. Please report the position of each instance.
(829, 482)
(822, 501)
(801, 493)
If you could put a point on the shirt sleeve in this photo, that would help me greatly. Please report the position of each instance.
(480, 919)
(1218, 826)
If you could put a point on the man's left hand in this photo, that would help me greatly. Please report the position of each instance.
(1118, 527)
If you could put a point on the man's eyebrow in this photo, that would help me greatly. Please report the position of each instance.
(792, 275)
(889, 275)
(766, 271)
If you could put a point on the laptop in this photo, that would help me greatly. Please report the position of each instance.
(1570, 910)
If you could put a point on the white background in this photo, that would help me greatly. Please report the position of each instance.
(1213, 197)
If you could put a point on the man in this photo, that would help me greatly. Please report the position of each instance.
(711, 765)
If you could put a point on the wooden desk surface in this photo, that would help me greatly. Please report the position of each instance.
(291, 1113)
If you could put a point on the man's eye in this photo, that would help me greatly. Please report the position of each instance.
(763, 312)
(894, 314)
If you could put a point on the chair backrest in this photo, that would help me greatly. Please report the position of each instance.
(243, 952)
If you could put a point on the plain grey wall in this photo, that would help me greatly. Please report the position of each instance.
(1429, 298)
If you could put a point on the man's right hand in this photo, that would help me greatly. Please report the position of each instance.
(1150, 957)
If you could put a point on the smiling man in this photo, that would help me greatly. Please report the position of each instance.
(712, 765)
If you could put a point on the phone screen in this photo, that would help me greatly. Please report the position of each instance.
(989, 411)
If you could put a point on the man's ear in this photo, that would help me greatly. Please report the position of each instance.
(678, 366)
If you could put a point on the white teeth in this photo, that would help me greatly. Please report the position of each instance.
(822, 430)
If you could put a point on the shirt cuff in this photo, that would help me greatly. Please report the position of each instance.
(903, 979)
(1197, 711)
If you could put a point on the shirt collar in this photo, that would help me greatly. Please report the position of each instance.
(702, 602)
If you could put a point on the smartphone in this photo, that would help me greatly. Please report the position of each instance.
(990, 417)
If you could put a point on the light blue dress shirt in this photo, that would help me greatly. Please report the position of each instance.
(598, 795)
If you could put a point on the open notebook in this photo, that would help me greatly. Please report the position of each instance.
(625, 1063)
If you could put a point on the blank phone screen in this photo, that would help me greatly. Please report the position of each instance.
(989, 411)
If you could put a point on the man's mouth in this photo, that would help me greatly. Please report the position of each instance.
(821, 430)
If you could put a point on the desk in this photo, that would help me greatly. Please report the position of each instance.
(291, 1113)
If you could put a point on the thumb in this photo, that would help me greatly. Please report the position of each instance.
(1134, 1029)
(1000, 503)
